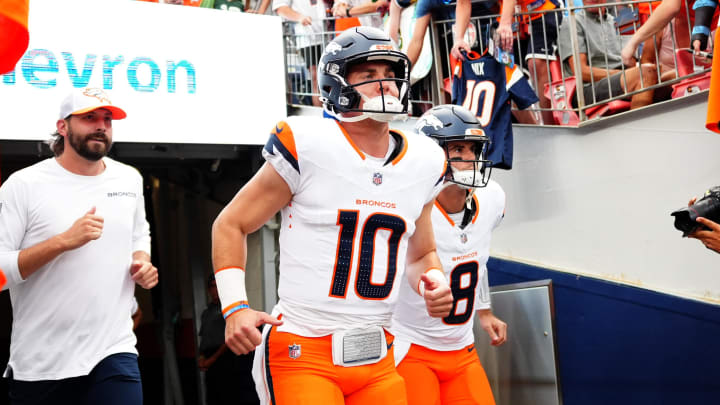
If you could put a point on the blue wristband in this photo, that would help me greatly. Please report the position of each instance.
(230, 311)
(704, 3)
(701, 30)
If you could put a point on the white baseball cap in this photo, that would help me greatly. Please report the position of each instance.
(88, 99)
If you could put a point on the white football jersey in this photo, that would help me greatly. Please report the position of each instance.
(464, 253)
(345, 232)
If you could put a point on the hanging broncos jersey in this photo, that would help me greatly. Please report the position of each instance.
(486, 87)
(345, 233)
(464, 252)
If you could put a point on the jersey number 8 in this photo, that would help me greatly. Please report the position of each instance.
(469, 272)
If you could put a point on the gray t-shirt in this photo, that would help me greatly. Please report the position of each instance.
(597, 37)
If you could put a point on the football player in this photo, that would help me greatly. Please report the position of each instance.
(436, 356)
(355, 199)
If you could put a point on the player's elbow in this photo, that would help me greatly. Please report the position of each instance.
(230, 226)
(223, 225)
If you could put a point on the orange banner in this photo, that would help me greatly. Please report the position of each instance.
(13, 31)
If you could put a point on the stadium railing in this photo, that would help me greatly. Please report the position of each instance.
(433, 89)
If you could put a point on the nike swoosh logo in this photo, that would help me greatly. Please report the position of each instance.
(389, 345)
(471, 348)
(278, 129)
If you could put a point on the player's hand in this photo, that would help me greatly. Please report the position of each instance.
(306, 20)
(144, 274)
(86, 228)
(460, 45)
(505, 37)
(495, 328)
(241, 329)
(437, 295)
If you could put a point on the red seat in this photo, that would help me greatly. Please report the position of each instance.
(685, 67)
(560, 92)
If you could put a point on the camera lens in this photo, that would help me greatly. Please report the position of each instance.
(707, 207)
(685, 221)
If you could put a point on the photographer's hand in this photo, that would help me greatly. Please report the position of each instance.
(711, 238)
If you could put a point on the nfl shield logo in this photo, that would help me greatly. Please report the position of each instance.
(463, 238)
(294, 351)
(377, 179)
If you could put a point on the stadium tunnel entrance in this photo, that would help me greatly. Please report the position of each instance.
(186, 187)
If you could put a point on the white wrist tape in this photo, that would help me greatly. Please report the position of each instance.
(231, 290)
(434, 274)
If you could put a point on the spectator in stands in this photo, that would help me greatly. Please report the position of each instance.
(309, 16)
(228, 378)
(357, 8)
(659, 20)
(396, 9)
(601, 67)
(537, 33)
(463, 12)
(424, 10)
(659, 50)
(710, 238)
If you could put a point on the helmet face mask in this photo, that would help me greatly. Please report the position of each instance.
(357, 46)
(447, 124)
(476, 171)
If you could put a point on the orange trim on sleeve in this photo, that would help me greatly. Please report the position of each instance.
(285, 135)
(228, 267)
(508, 73)
(713, 111)
(347, 136)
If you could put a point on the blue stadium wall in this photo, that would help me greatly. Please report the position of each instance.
(619, 344)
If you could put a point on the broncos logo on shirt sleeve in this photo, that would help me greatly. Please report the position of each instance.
(281, 140)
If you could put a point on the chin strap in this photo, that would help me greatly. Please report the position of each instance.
(469, 198)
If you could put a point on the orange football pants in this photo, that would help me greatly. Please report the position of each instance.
(313, 379)
(442, 378)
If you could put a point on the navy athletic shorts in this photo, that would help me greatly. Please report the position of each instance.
(113, 381)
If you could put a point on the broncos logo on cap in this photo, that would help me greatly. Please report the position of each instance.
(98, 94)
